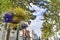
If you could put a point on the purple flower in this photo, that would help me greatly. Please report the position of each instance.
(24, 26)
(8, 17)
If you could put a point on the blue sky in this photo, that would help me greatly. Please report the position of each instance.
(37, 23)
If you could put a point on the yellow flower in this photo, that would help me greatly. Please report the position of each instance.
(21, 13)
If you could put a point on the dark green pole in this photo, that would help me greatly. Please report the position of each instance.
(18, 28)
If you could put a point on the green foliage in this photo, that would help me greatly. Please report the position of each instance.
(47, 29)
(51, 18)
(55, 5)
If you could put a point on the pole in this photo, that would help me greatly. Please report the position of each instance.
(6, 26)
(23, 35)
(8, 33)
(18, 28)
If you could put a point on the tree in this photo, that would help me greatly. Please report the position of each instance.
(52, 17)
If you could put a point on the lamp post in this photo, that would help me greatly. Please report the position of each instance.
(16, 17)
(7, 19)
(8, 33)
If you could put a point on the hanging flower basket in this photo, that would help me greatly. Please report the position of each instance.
(23, 14)
(16, 20)
(13, 26)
